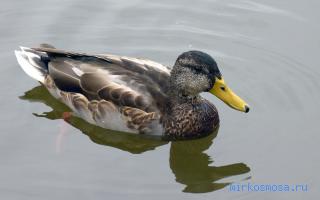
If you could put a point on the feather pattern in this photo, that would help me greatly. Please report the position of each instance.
(107, 90)
(118, 92)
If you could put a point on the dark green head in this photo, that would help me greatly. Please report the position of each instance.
(195, 72)
(199, 62)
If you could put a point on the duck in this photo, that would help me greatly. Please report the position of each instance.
(134, 95)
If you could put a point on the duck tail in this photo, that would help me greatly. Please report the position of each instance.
(34, 63)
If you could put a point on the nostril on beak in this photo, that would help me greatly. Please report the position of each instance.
(246, 109)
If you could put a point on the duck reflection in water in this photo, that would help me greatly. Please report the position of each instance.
(188, 161)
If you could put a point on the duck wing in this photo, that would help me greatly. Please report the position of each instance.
(124, 81)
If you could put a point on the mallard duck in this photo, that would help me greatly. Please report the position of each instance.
(132, 94)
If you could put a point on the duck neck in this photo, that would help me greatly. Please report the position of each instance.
(178, 96)
(179, 91)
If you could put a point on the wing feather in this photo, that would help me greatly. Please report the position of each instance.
(124, 81)
(139, 119)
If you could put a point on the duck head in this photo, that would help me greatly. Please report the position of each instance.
(195, 72)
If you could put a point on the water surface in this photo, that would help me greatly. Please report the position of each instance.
(266, 50)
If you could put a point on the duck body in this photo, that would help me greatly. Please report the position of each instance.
(126, 94)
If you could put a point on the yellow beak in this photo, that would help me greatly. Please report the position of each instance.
(224, 93)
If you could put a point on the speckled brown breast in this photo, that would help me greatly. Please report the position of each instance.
(191, 120)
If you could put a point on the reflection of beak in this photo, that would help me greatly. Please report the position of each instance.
(223, 92)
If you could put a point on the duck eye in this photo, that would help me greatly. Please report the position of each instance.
(198, 69)
(223, 88)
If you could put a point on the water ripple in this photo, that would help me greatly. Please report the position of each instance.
(263, 8)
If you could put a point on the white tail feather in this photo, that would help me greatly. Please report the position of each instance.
(25, 48)
(26, 60)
